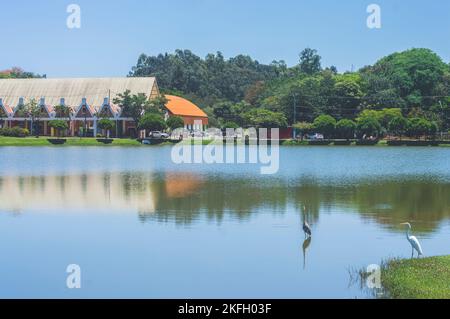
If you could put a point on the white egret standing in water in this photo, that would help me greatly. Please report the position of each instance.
(413, 241)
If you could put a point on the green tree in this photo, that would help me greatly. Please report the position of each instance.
(368, 126)
(31, 111)
(231, 112)
(230, 124)
(310, 61)
(418, 127)
(263, 118)
(346, 95)
(210, 80)
(175, 122)
(133, 106)
(406, 79)
(62, 111)
(157, 104)
(398, 125)
(60, 126)
(434, 128)
(385, 116)
(346, 128)
(325, 124)
(152, 122)
(303, 128)
(106, 125)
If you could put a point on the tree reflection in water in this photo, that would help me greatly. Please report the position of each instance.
(185, 197)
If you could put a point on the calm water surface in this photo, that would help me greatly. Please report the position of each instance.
(141, 226)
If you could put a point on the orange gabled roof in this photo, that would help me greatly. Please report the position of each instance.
(182, 107)
(8, 109)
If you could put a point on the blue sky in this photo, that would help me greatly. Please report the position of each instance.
(34, 34)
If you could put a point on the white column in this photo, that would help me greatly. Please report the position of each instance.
(95, 127)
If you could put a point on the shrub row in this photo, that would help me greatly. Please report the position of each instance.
(14, 132)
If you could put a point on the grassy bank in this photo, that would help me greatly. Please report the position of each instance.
(306, 143)
(381, 143)
(425, 278)
(71, 141)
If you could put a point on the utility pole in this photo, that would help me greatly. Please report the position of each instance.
(295, 108)
(294, 95)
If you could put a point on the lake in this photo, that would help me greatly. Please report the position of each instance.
(140, 226)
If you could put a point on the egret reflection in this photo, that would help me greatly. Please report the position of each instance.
(305, 247)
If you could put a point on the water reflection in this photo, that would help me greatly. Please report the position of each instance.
(305, 247)
(186, 197)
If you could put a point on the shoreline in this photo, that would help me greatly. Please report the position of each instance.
(42, 141)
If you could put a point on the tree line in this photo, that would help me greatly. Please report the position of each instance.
(240, 91)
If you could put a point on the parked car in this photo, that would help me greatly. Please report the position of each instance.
(197, 134)
(154, 134)
(315, 137)
(158, 134)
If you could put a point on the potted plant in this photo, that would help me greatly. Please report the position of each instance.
(106, 125)
(60, 126)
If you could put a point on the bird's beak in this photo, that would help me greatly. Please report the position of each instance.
(404, 224)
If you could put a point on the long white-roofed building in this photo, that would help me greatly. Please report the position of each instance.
(89, 99)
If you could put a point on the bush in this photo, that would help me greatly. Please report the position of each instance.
(23, 132)
(368, 126)
(59, 125)
(14, 132)
(152, 122)
(175, 122)
(420, 126)
(230, 124)
(346, 129)
(325, 124)
(106, 124)
(398, 125)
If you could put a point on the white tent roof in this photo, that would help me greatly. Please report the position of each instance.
(72, 90)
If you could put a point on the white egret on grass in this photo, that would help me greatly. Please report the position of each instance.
(415, 244)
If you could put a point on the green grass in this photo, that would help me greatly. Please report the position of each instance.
(294, 143)
(71, 141)
(424, 278)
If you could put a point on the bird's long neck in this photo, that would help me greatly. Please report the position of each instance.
(408, 230)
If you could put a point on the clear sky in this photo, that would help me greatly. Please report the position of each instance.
(113, 33)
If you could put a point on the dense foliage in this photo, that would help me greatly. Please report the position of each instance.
(14, 132)
(18, 73)
(60, 126)
(175, 122)
(152, 122)
(410, 84)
